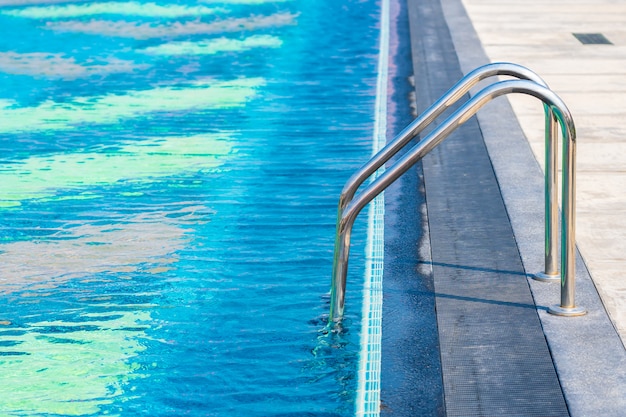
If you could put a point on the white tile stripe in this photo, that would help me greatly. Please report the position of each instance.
(368, 389)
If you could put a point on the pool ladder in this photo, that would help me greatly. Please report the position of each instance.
(556, 115)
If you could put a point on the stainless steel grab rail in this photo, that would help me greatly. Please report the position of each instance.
(455, 93)
(558, 110)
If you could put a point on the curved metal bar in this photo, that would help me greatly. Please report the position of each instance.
(460, 116)
(454, 94)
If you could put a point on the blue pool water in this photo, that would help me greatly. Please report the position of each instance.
(170, 174)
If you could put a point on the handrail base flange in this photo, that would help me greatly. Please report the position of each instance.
(567, 311)
(543, 277)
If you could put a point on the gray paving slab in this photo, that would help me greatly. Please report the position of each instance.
(588, 354)
(591, 79)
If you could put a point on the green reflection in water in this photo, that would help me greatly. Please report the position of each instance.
(111, 108)
(43, 176)
(74, 372)
(119, 8)
(215, 46)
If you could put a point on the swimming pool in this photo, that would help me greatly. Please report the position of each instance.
(170, 177)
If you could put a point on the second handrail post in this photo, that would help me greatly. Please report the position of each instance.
(551, 197)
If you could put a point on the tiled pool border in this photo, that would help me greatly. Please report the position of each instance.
(368, 388)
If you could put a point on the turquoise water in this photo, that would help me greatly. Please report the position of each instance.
(170, 174)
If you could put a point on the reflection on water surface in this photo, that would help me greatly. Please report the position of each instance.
(169, 178)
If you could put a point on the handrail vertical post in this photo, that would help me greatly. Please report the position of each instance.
(551, 230)
(340, 270)
(568, 229)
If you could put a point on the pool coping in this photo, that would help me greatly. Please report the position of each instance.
(370, 355)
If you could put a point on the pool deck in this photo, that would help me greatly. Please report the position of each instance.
(587, 352)
(591, 79)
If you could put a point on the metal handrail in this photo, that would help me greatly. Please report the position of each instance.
(454, 94)
(416, 153)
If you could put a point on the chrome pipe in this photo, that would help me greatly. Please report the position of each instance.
(454, 94)
(460, 116)
(568, 239)
(551, 192)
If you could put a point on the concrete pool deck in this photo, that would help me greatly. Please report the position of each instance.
(591, 79)
(587, 352)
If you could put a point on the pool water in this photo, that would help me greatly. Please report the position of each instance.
(170, 175)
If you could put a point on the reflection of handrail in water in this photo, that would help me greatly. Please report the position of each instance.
(559, 111)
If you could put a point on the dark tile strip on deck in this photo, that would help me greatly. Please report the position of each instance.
(494, 356)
